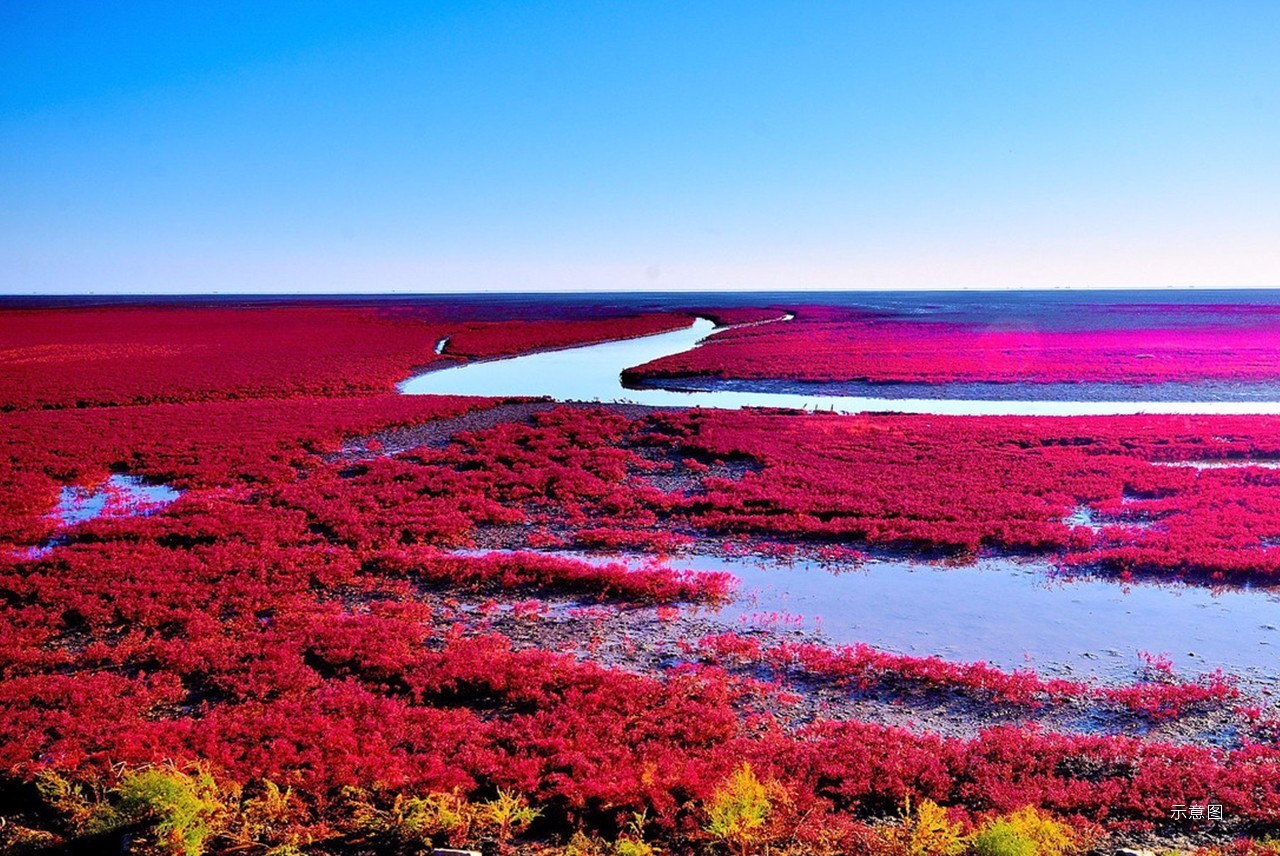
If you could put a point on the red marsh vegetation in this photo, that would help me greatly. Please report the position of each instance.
(826, 343)
(296, 653)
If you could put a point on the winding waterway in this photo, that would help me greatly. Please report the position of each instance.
(593, 373)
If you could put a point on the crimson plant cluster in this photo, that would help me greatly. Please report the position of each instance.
(826, 343)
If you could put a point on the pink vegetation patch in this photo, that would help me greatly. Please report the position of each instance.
(828, 344)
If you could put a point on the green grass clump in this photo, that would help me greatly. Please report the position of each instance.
(182, 808)
(1026, 832)
(738, 810)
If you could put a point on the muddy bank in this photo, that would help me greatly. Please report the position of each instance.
(440, 432)
(1167, 391)
(656, 640)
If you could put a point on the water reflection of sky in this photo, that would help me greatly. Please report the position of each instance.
(593, 373)
(119, 495)
(1008, 612)
(1016, 612)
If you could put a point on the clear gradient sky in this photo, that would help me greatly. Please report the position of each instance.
(396, 146)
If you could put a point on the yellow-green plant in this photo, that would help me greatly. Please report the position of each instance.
(508, 814)
(631, 842)
(420, 820)
(182, 807)
(738, 811)
(272, 805)
(69, 800)
(272, 818)
(926, 831)
(1025, 832)
(627, 846)
(582, 844)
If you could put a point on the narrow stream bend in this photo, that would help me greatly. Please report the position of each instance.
(594, 373)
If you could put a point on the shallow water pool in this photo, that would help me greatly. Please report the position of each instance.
(1008, 612)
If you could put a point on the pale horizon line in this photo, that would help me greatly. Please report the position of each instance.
(942, 289)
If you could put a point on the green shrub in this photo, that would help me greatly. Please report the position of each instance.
(631, 847)
(582, 844)
(423, 818)
(507, 814)
(270, 817)
(1026, 832)
(183, 809)
(738, 811)
(414, 820)
(1000, 839)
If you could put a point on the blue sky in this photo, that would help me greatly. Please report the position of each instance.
(325, 146)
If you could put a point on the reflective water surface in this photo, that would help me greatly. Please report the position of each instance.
(120, 495)
(593, 373)
(1008, 612)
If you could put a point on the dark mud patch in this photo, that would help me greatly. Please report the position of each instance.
(686, 473)
(439, 433)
